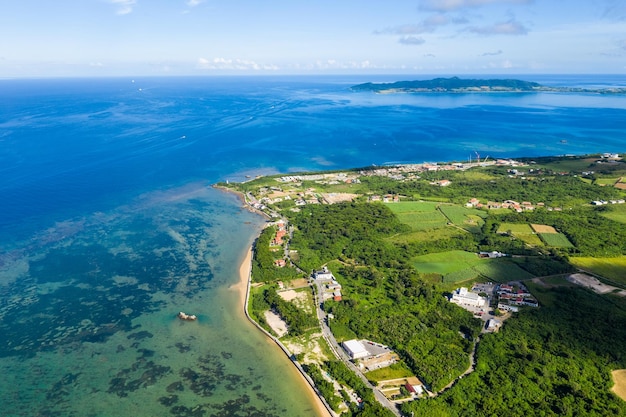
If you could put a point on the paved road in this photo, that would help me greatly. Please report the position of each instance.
(341, 354)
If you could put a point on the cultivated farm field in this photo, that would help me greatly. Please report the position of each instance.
(613, 269)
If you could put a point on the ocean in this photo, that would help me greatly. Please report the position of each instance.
(109, 225)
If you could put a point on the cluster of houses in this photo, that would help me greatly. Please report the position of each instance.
(603, 202)
(329, 287)
(508, 204)
(509, 297)
(387, 198)
(512, 296)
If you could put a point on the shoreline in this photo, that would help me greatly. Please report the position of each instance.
(243, 288)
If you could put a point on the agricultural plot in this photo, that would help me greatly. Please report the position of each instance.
(543, 228)
(501, 270)
(419, 215)
(460, 266)
(445, 262)
(607, 181)
(557, 240)
(613, 269)
(521, 231)
(616, 212)
(468, 218)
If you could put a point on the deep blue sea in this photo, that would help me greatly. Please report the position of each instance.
(108, 224)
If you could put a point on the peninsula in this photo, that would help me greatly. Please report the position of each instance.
(460, 85)
(448, 288)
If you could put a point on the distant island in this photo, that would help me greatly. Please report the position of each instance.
(460, 85)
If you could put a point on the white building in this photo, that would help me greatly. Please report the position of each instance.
(464, 297)
(324, 274)
(355, 349)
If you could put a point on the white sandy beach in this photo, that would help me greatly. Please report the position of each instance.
(242, 287)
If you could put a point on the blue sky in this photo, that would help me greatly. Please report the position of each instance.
(212, 37)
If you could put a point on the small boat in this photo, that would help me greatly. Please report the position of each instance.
(187, 317)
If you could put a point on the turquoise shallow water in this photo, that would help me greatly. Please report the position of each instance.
(108, 226)
(89, 319)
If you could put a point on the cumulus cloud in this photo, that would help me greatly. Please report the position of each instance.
(511, 27)
(124, 6)
(453, 5)
(411, 40)
(233, 64)
(498, 52)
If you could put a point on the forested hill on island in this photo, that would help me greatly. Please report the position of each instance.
(459, 85)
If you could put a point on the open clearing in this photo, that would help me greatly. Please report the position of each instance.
(590, 282)
(276, 323)
(619, 377)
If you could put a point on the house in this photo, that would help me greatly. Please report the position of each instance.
(324, 274)
(506, 307)
(414, 389)
(278, 239)
(280, 263)
(337, 295)
(493, 324)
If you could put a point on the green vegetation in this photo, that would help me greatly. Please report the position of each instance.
(419, 215)
(263, 268)
(614, 212)
(557, 240)
(396, 263)
(551, 361)
(469, 219)
(613, 269)
(395, 371)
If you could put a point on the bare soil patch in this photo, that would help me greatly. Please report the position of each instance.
(543, 228)
(590, 282)
(276, 323)
(619, 377)
(333, 198)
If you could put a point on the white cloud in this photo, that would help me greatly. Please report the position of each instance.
(453, 5)
(233, 64)
(498, 52)
(194, 3)
(411, 40)
(124, 6)
(511, 27)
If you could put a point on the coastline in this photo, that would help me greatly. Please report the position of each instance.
(243, 288)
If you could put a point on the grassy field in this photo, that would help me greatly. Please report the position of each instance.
(616, 212)
(469, 219)
(445, 262)
(501, 270)
(557, 240)
(460, 266)
(574, 164)
(433, 234)
(521, 231)
(395, 371)
(613, 269)
(606, 181)
(419, 215)
(515, 228)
